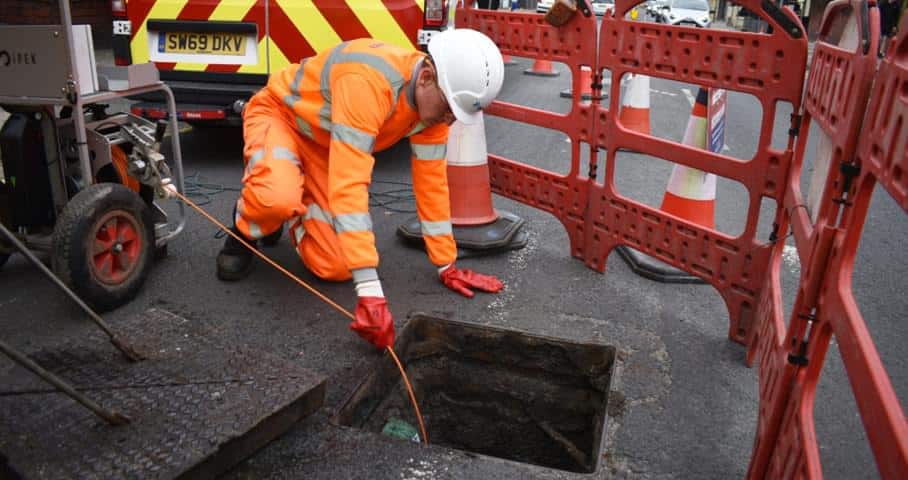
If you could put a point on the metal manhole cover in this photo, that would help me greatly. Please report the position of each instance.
(198, 406)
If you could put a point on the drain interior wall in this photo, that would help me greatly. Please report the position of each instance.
(529, 416)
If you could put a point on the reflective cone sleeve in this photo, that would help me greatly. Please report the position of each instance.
(691, 193)
(634, 113)
(468, 175)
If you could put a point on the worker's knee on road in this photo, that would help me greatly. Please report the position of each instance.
(271, 206)
(325, 268)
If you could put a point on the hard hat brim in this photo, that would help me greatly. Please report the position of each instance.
(463, 116)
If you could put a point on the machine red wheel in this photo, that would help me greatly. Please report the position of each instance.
(104, 244)
(117, 247)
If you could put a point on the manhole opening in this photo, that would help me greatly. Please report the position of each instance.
(490, 391)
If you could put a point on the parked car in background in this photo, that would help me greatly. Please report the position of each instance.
(654, 9)
(601, 7)
(693, 13)
(543, 6)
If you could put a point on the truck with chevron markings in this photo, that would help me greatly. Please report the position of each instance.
(215, 54)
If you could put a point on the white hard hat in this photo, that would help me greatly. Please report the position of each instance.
(470, 70)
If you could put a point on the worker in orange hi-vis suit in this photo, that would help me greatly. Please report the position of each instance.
(309, 137)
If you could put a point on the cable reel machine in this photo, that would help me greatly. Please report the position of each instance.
(77, 183)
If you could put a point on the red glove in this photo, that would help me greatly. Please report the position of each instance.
(462, 280)
(374, 322)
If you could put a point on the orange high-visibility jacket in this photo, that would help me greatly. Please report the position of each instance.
(357, 99)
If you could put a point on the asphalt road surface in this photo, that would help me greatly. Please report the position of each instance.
(683, 403)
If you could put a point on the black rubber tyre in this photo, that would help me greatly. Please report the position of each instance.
(103, 245)
(3, 258)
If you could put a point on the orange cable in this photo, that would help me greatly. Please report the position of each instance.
(422, 427)
(265, 257)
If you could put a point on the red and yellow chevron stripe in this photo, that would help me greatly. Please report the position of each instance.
(288, 30)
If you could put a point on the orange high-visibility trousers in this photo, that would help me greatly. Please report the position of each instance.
(286, 180)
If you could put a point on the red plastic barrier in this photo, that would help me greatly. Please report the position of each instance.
(770, 67)
(835, 99)
(881, 154)
(596, 217)
(866, 148)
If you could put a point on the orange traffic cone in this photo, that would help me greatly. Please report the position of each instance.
(478, 227)
(542, 68)
(634, 113)
(586, 81)
(691, 193)
(508, 60)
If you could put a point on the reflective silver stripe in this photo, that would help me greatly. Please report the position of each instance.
(337, 56)
(299, 232)
(411, 88)
(394, 78)
(436, 228)
(254, 230)
(304, 128)
(238, 211)
(315, 212)
(282, 153)
(294, 95)
(364, 274)
(324, 116)
(390, 73)
(256, 156)
(353, 222)
(295, 86)
(429, 152)
(325, 80)
(359, 139)
(418, 128)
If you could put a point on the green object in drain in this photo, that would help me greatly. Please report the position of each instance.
(400, 429)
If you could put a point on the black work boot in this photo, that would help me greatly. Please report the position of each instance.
(234, 259)
(271, 239)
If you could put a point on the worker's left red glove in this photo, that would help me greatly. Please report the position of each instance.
(374, 321)
(461, 281)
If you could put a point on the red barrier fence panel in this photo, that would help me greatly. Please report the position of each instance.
(881, 154)
(529, 35)
(835, 99)
(769, 67)
(743, 269)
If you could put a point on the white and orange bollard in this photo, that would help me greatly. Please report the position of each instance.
(478, 227)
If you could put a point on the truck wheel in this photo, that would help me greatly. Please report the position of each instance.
(103, 245)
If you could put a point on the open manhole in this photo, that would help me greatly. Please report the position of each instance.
(491, 391)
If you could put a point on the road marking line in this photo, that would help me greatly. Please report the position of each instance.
(689, 95)
(790, 257)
